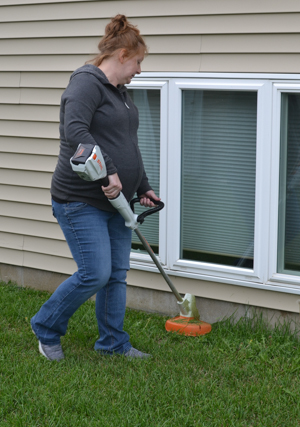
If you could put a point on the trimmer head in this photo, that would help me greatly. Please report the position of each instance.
(188, 323)
(187, 326)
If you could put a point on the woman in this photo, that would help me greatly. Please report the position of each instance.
(96, 109)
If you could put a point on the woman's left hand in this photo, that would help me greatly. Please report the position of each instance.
(145, 201)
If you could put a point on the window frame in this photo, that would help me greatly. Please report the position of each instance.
(143, 261)
(207, 271)
(275, 278)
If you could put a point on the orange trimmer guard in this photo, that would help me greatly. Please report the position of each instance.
(187, 326)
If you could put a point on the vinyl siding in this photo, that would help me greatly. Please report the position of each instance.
(43, 41)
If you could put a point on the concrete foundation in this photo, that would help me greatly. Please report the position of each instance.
(151, 300)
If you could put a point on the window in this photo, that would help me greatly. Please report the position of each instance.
(218, 176)
(224, 156)
(148, 104)
(289, 186)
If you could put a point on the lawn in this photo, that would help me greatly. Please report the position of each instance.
(238, 375)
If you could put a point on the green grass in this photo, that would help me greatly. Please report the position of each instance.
(238, 375)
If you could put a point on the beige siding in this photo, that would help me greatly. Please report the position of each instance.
(43, 41)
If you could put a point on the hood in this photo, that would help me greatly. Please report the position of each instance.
(95, 71)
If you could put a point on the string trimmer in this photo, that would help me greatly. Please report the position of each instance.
(89, 164)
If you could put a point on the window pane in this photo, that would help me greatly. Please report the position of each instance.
(218, 176)
(289, 187)
(148, 104)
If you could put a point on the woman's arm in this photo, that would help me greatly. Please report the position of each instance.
(80, 102)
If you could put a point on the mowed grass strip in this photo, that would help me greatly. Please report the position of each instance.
(243, 374)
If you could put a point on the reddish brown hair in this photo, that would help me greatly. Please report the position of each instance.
(120, 34)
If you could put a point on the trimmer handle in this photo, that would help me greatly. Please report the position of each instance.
(142, 216)
(104, 181)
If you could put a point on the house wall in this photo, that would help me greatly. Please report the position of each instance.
(42, 42)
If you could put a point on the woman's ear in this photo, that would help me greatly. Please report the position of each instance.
(123, 54)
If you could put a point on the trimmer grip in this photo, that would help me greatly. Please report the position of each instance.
(104, 181)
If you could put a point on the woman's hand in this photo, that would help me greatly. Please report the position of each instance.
(145, 201)
(114, 187)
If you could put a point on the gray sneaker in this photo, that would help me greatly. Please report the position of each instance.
(51, 352)
(133, 353)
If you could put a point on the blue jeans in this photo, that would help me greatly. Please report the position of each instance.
(100, 244)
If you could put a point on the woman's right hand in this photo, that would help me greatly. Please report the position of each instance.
(114, 187)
